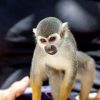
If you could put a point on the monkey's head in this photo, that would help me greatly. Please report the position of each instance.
(50, 33)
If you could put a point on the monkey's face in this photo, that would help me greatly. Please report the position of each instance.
(50, 33)
(49, 45)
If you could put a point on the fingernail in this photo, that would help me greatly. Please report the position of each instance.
(26, 78)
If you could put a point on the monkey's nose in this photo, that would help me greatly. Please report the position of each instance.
(51, 49)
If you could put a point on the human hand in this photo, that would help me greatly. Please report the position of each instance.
(15, 90)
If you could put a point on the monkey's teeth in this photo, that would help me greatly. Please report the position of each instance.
(51, 51)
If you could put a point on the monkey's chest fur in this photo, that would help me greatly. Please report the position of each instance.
(58, 61)
(62, 60)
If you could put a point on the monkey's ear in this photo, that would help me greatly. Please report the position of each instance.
(65, 25)
(34, 31)
(64, 29)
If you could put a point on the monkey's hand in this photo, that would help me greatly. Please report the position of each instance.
(92, 96)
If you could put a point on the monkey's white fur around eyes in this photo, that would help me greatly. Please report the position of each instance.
(55, 35)
(38, 38)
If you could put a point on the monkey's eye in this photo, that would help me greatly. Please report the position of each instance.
(43, 40)
(52, 39)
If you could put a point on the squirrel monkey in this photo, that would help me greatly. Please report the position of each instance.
(56, 58)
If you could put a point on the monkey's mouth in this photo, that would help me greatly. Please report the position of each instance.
(51, 50)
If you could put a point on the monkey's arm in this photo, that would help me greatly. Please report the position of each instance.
(36, 80)
(37, 75)
(66, 87)
(86, 72)
(55, 79)
(36, 89)
(67, 82)
(36, 83)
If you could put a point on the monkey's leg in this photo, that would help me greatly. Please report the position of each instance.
(86, 80)
(36, 89)
(86, 85)
(55, 78)
(66, 86)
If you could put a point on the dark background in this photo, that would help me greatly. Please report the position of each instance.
(18, 17)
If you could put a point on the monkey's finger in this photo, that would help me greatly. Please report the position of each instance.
(98, 94)
(92, 96)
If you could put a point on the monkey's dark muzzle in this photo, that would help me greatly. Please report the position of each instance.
(51, 49)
